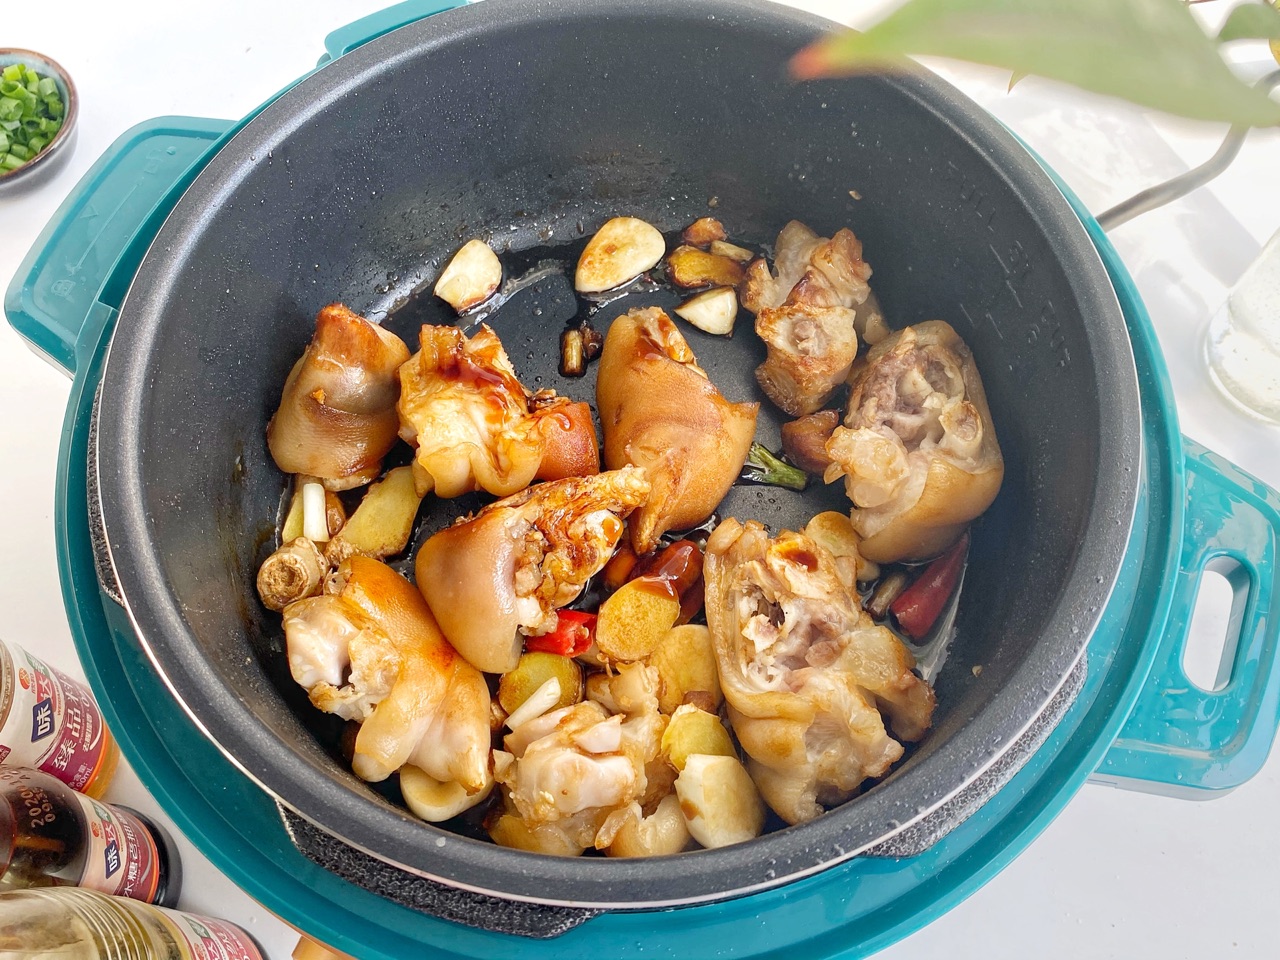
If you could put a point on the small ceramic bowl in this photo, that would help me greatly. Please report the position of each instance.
(60, 147)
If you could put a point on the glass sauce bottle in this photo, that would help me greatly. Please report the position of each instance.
(71, 923)
(52, 836)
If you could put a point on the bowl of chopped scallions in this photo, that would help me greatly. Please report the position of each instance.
(37, 115)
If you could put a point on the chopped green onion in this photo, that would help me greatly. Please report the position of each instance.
(31, 114)
(29, 101)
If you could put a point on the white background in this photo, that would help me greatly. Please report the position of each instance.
(1118, 874)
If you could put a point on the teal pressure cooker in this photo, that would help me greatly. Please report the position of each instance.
(178, 284)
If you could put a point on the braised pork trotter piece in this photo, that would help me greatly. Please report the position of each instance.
(574, 777)
(337, 416)
(476, 427)
(918, 448)
(805, 673)
(500, 576)
(373, 653)
(660, 411)
(805, 313)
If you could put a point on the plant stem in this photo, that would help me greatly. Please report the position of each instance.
(763, 466)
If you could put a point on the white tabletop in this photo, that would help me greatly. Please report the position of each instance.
(1118, 874)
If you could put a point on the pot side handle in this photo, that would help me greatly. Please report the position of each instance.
(1181, 740)
(345, 39)
(76, 274)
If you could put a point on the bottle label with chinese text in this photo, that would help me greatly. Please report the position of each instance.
(122, 858)
(211, 939)
(50, 721)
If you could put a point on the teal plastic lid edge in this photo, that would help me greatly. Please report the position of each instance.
(101, 229)
(356, 34)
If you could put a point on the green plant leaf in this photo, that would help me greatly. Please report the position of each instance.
(1251, 21)
(1150, 52)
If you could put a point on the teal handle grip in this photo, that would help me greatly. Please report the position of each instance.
(82, 263)
(1182, 740)
(345, 39)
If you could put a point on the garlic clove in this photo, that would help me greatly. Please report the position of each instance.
(720, 803)
(434, 801)
(711, 312)
(621, 250)
(662, 833)
(471, 277)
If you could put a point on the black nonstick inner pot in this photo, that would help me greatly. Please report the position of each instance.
(530, 124)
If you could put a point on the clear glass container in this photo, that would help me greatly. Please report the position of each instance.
(71, 923)
(1243, 344)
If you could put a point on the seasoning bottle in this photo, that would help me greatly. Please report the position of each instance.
(71, 923)
(50, 722)
(52, 836)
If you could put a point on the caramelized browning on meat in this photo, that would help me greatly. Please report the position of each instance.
(661, 412)
(805, 672)
(500, 576)
(373, 653)
(805, 315)
(337, 416)
(918, 449)
(474, 424)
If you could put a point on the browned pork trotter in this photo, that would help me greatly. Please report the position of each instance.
(475, 425)
(337, 417)
(373, 653)
(500, 576)
(661, 412)
(918, 448)
(806, 674)
(572, 778)
(806, 315)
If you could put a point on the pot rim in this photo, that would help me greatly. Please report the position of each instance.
(704, 875)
